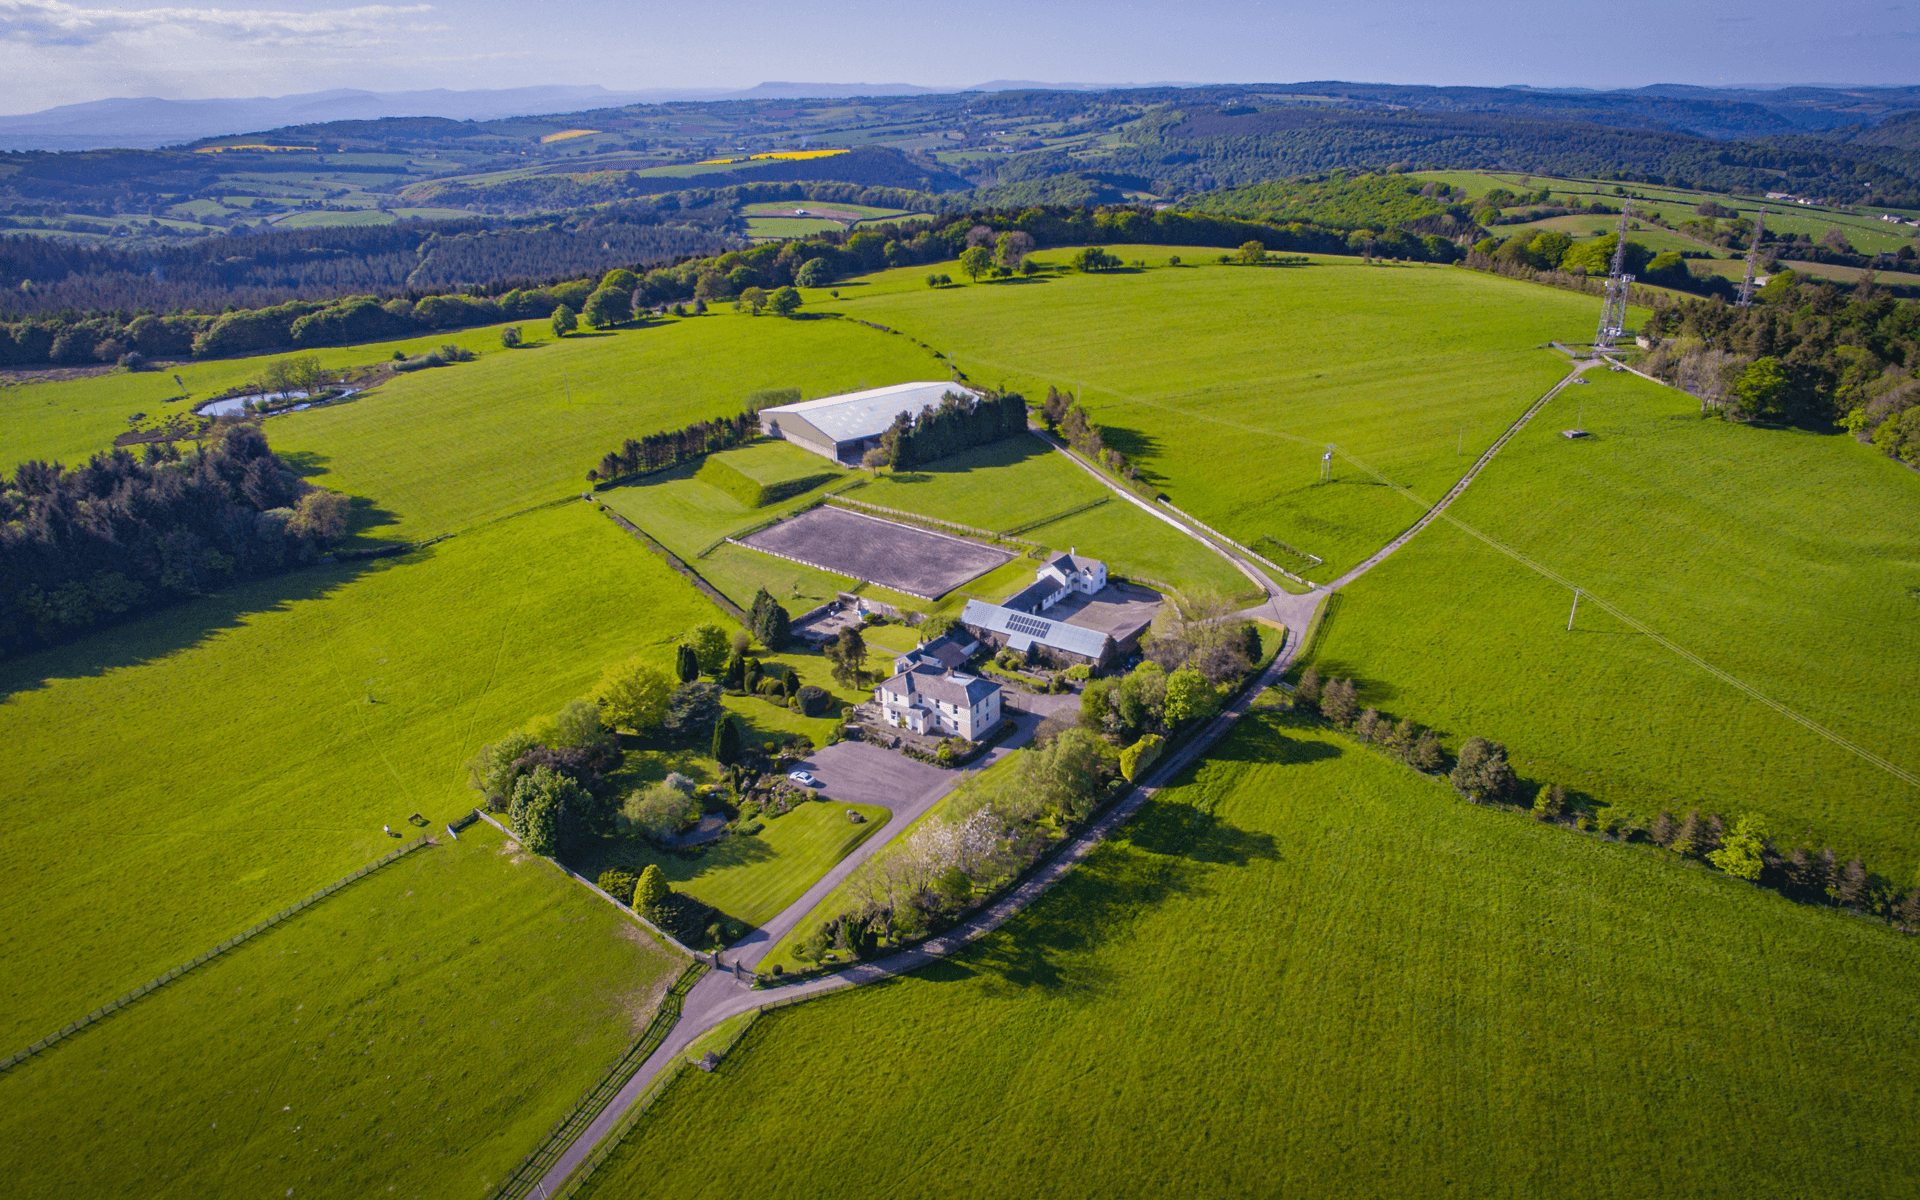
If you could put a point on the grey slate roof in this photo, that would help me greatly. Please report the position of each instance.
(1022, 629)
(961, 691)
(856, 415)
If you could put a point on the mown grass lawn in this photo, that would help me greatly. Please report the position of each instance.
(752, 877)
(415, 1033)
(1226, 383)
(175, 780)
(1784, 558)
(1307, 972)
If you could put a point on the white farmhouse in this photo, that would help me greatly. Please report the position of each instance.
(940, 703)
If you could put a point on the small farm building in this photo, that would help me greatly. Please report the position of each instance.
(843, 428)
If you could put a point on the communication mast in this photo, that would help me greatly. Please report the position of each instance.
(1753, 248)
(1613, 311)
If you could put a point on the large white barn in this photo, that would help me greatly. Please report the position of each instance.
(845, 427)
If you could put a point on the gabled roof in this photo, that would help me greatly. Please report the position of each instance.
(1029, 598)
(961, 691)
(1088, 643)
(856, 415)
(1071, 563)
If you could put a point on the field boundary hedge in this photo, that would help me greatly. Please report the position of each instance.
(522, 1180)
(733, 611)
(158, 982)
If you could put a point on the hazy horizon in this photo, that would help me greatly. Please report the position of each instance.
(72, 53)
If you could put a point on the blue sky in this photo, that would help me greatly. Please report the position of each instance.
(60, 52)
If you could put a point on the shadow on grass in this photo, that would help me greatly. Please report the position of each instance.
(157, 634)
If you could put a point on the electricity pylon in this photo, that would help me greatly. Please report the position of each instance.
(1613, 310)
(1753, 248)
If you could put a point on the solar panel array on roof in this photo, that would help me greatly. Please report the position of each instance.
(1028, 625)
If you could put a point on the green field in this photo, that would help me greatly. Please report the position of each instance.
(775, 207)
(67, 421)
(790, 227)
(419, 1030)
(443, 449)
(1308, 972)
(1784, 558)
(751, 877)
(1011, 483)
(179, 778)
(364, 216)
(1248, 374)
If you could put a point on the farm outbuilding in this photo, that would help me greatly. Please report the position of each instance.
(845, 427)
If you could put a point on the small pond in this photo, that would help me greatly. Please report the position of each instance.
(236, 406)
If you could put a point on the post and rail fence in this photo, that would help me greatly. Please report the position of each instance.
(158, 982)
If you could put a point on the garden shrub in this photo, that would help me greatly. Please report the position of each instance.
(618, 883)
(814, 700)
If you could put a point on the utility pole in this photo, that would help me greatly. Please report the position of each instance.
(1576, 608)
(1613, 310)
(1753, 249)
(1326, 466)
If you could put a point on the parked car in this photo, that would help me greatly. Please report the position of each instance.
(803, 778)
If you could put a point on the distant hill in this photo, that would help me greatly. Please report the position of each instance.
(148, 122)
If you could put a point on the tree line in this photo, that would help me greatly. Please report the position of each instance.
(48, 278)
(1808, 353)
(658, 451)
(1744, 848)
(120, 535)
(961, 422)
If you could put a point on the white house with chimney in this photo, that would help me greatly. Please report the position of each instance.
(940, 703)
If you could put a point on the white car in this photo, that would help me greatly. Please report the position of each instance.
(803, 779)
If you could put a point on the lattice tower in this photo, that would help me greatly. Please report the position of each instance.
(1753, 249)
(1613, 310)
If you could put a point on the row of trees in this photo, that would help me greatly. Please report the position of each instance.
(994, 827)
(658, 451)
(961, 422)
(1745, 848)
(1062, 415)
(121, 535)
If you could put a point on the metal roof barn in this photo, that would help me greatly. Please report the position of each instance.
(844, 427)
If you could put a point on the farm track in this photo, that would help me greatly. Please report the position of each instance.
(723, 994)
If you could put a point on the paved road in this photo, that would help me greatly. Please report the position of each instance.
(721, 994)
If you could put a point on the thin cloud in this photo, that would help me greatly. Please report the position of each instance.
(53, 23)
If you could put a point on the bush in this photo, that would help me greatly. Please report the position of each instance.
(814, 701)
(618, 883)
(652, 890)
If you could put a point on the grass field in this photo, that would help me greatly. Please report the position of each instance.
(416, 1033)
(67, 421)
(175, 780)
(434, 451)
(1783, 558)
(790, 227)
(751, 877)
(439, 450)
(1248, 374)
(1307, 972)
(1010, 483)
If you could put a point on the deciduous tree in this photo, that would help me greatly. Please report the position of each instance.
(784, 302)
(710, 646)
(1743, 853)
(564, 321)
(633, 695)
(976, 261)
